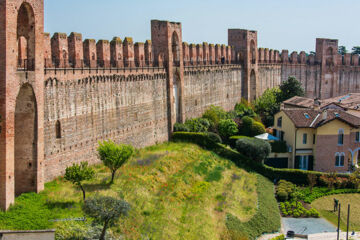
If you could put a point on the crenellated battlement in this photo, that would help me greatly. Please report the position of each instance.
(63, 51)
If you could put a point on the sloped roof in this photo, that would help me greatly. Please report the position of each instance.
(310, 118)
(301, 102)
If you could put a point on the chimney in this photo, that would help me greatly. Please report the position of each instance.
(282, 106)
(324, 115)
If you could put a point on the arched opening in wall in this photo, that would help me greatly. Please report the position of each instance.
(252, 52)
(25, 153)
(252, 85)
(26, 37)
(244, 87)
(58, 129)
(176, 94)
(175, 48)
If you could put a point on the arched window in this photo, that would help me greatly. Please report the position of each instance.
(58, 129)
(339, 159)
(26, 36)
(341, 136)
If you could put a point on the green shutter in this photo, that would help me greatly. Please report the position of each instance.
(297, 162)
(311, 163)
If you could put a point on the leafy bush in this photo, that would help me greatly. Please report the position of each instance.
(78, 173)
(197, 124)
(114, 155)
(284, 190)
(233, 139)
(215, 114)
(257, 128)
(227, 128)
(278, 147)
(244, 108)
(290, 88)
(281, 237)
(246, 124)
(180, 127)
(253, 148)
(214, 137)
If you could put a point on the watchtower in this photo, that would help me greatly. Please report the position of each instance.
(244, 43)
(326, 55)
(21, 98)
(166, 39)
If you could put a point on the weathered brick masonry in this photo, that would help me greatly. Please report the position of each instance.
(61, 94)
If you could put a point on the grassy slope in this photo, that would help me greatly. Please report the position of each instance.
(177, 191)
(325, 206)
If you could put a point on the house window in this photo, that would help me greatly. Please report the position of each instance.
(304, 138)
(279, 122)
(314, 138)
(357, 137)
(341, 136)
(339, 159)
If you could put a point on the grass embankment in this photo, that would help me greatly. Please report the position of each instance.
(176, 190)
(325, 206)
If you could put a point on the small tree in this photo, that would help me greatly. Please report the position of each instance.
(105, 210)
(290, 88)
(114, 155)
(312, 181)
(78, 173)
(356, 50)
(342, 50)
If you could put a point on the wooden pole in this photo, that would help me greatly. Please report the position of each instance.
(347, 226)
(338, 230)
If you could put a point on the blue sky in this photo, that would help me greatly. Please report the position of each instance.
(281, 24)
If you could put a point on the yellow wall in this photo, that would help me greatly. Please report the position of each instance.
(332, 128)
(299, 138)
(288, 128)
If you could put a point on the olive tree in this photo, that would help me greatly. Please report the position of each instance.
(78, 173)
(105, 210)
(114, 155)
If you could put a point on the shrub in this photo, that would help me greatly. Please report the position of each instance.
(180, 127)
(282, 196)
(78, 173)
(253, 148)
(246, 124)
(227, 128)
(257, 128)
(114, 155)
(215, 114)
(197, 125)
(244, 108)
(214, 137)
(278, 147)
(233, 139)
(281, 237)
(106, 211)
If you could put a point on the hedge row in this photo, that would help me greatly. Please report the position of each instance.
(265, 220)
(296, 176)
(309, 197)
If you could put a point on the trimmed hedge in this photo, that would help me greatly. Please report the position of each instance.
(278, 147)
(296, 176)
(320, 192)
(265, 220)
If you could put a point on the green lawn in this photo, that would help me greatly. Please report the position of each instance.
(325, 206)
(176, 190)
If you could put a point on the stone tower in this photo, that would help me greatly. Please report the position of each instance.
(327, 57)
(244, 43)
(21, 101)
(166, 40)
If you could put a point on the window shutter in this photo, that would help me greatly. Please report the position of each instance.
(297, 162)
(311, 163)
